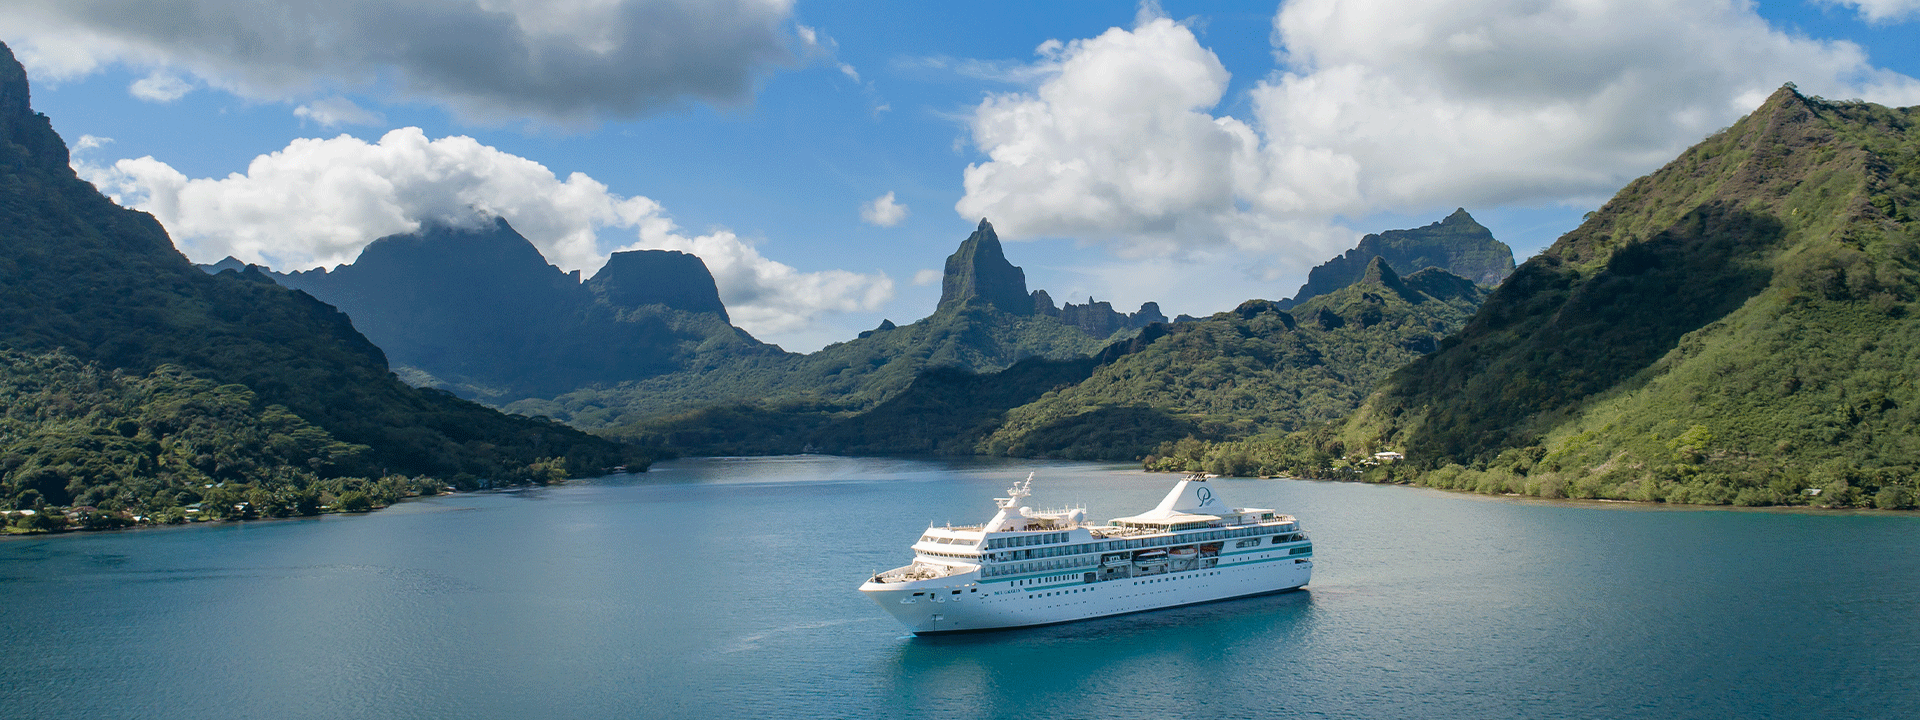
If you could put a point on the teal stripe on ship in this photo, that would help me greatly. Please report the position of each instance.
(1309, 548)
(1268, 560)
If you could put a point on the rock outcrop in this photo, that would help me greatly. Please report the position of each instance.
(1457, 244)
(479, 311)
(658, 277)
(978, 272)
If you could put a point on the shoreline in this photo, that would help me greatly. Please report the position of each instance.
(1607, 503)
(7, 533)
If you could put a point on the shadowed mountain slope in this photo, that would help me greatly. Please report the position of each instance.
(105, 285)
(1235, 373)
(1738, 326)
(480, 312)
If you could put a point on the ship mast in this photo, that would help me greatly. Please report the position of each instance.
(1019, 490)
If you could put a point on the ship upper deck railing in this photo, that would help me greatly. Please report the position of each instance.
(917, 571)
(1107, 531)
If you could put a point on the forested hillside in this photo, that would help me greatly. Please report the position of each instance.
(1230, 375)
(170, 446)
(1737, 327)
(105, 285)
(1254, 369)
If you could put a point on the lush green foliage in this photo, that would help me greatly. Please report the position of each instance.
(103, 283)
(1737, 328)
(1255, 369)
(1237, 373)
(167, 446)
(847, 377)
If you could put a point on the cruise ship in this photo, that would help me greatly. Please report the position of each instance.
(1027, 567)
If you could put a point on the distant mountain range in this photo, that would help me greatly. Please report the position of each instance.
(1256, 368)
(1457, 244)
(478, 311)
(643, 349)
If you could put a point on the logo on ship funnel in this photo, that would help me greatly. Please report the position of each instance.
(1205, 495)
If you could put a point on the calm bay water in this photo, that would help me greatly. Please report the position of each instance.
(726, 588)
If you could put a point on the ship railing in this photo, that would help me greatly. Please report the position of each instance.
(1107, 531)
(910, 576)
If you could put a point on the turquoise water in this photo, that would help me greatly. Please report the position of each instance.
(726, 588)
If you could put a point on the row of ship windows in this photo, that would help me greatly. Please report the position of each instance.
(1041, 566)
(1135, 544)
(1050, 538)
(966, 556)
(1174, 577)
(1025, 540)
(1002, 542)
(1089, 561)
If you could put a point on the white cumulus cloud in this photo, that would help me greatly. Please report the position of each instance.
(1378, 105)
(317, 202)
(160, 87)
(1880, 11)
(570, 61)
(883, 211)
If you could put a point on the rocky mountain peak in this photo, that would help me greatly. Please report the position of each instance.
(1380, 273)
(13, 86)
(658, 277)
(31, 133)
(1458, 244)
(979, 272)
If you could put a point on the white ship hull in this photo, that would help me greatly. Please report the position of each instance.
(1027, 567)
(963, 603)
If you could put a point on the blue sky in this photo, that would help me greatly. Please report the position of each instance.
(1193, 154)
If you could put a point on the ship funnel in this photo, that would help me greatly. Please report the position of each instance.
(1192, 496)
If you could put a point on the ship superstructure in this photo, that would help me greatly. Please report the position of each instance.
(1027, 567)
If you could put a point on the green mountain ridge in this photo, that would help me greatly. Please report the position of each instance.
(1737, 327)
(1233, 374)
(104, 284)
(1254, 369)
(847, 376)
(986, 321)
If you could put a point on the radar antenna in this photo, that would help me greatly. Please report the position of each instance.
(1019, 490)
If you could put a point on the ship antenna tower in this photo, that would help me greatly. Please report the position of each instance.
(1019, 490)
